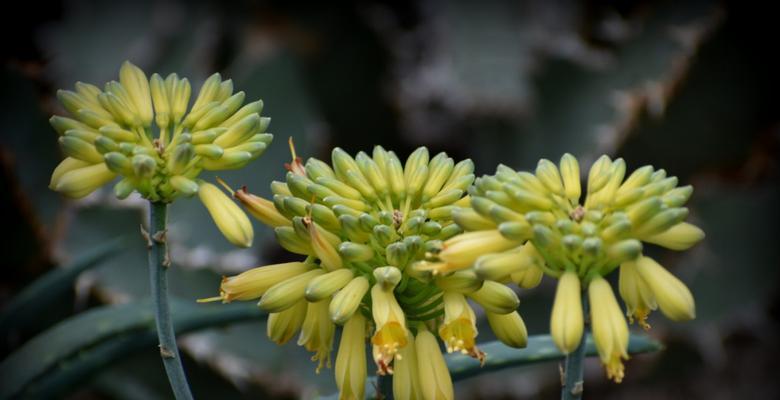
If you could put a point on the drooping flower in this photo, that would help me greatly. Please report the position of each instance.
(522, 225)
(145, 132)
(366, 225)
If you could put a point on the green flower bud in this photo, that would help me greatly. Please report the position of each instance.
(347, 300)
(323, 286)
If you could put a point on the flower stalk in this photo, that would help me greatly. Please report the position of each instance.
(158, 279)
(572, 379)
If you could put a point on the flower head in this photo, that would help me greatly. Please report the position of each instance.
(145, 131)
(367, 225)
(524, 224)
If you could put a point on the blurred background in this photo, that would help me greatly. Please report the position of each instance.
(691, 87)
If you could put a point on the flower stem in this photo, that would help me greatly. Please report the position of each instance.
(385, 387)
(572, 379)
(158, 279)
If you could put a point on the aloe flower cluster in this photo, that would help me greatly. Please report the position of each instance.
(526, 223)
(364, 224)
(146, 132)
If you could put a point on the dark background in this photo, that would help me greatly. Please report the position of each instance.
(691, 87)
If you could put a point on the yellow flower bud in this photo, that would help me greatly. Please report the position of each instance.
(347, 300)
(325, 251)
(282, 326)
(355, 251)
(465, 281)
(459, 330)
(65, 166)
(323, 286)
(185, 186)
(498, 266)
(261, 209)
(508, 328)
(495, 297)
(252, 284)
(679, 237)
(548, 173)
(317, 333)
(435, 380)
(570, 174)
(566, 320)
(528, 278)
(406, 374)
(351, 359)
(470, 220)
(674, 298)
(228, 217)
(288, 292)
(79, 182)
(207, 92)
(79, 149)
(462, 250)
(134, 81)
(391, 334)
(610, 331)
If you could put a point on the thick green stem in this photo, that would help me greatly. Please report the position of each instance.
(572, 380)
(158, 279)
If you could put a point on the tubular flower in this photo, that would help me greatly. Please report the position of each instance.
(317, 333)
(459, 331)
(522, 225)
(351, 359)
(435, 380)
(368, 226)
(610, 331)
(145, 131)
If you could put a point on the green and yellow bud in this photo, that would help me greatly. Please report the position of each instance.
(509, 328)
(323, 286)
(228, 217)
(252, 284)
(461, 251)
(79, 182)
(465, 281)
(566, 320)
(496, 298)
(348, 299)
(282, 326)
(284, 294)
(679, 237)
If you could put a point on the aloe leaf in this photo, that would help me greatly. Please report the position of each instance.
(40, 294)
(499, 356)
(78, 347)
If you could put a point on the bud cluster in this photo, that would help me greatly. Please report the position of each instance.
(364, 224)
(540, 216)
(146, 132)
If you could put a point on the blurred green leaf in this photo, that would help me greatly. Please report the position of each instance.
(39, 295)
(586, 110)
(78, 347)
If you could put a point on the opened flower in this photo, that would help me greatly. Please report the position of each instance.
(524, 224)
(146, 132)
(366, 226)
